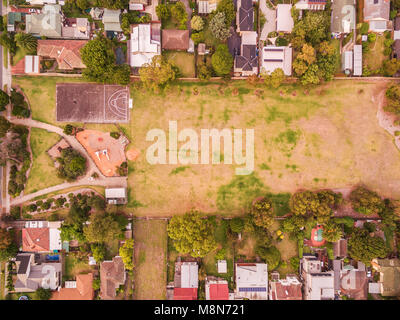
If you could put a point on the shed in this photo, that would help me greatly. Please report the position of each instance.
(357, 64)
(222, 266)
(116, 195)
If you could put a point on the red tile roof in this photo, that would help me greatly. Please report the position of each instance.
(35, 239)
(83, 291)
(66, 52)
(185, 293)
(286, 292)
(219, 291)
(175, 39)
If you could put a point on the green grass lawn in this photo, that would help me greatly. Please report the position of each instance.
(43, 174)
(183, 60)
(2, 280)
(73, 266)
(374, 58)
(19, 55)
(150, 273)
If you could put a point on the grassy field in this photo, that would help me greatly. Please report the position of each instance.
(41, 93)
(43, 174)
(150, 259)
(374, 58)
(183, 60)
(73, 266)
(326, 137)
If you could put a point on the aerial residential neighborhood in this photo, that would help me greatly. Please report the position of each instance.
(225, 150)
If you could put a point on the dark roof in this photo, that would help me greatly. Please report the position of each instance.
(24, 259)
(246, 15)
(248, 59)
(396, 49)
(397, 23)
(175, 39)
(234, 43)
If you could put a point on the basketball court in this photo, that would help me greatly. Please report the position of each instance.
(92, 103)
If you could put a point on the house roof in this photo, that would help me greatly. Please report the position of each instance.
(357, 55)
(112, 275)
(284, 20)
(35, 239)
(112, 193)
(376, 9)
(111, 20)
(143, 46)
(76, 28)
(48, 23)
(66, 52)
(340, 248)
(248, 59)
(185, 293)
(286, 289)
(397, 23)
(175, 39)
(82, 291)
(354, 283)
(277, 57)
(189, 275)
(28, 64)
(342, 18)
(396, 48)
(219, 291)
(245, 15)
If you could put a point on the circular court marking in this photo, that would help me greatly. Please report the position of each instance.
(117, 103)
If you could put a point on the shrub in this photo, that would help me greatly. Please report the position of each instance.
(69, 129)
(204, 72)
(15, 212)
(4, 99)
(53, 217)
(237, 225)
(197, 23)
(221, 254)
(198, 37)
(372, 37)
(115, 135)
(364, 28)
(20, 111)
(397, 133)
(281, 42)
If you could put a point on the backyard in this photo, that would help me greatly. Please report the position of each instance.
(150, 259)
(374, 58)
(43, 174)
(183, 60)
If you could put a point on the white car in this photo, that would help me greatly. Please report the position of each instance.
(32, 10)
(369, 273)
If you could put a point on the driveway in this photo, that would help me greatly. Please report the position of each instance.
(270, 24)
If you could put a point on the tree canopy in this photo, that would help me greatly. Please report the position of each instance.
(218, 26)
(271, 256)
(192, 234)
(103, 227)
(72, 164)
(366, 201)
(157, 74)
(364, 248)
(222, 60)
(262, 213)
(332, 232)
(126, 253)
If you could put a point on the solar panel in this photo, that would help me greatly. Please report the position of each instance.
(252, 289)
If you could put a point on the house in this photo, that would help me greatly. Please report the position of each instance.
(285, 289)
(284, 20)
(343, 16)
(340, 248)
(245, 15)
(116, 195)
(377, 14)
(145, 43)
(251, 281)
(310, 5)
(274, 57)
(80, 289)
(396, 49)
(318, 285)
(33, 274)
(12, 19)
(175, 39)
(48, 23)
(389, 279)
(112, 275)
(186, 281)
(353, 281)
(216, 288)
(357, 62)
(65, 52)
(246, 63)
(207, 6)
(111, 20)
(41, 236)
(75, 28)
(138, 5)
(41, 2)
(96, 13)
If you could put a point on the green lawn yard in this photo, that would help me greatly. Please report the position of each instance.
(150, 273)
(374, 58)
(43, 174)
(183, 60)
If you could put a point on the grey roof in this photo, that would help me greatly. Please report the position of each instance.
(396, 49)
(248, 59)
(24, 262)
(246, 15)
(48, 23)
(111, 20)
(357, 55)
(397, 23)
(376, 9)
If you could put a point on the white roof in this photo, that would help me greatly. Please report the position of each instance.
(251, 275)
(249, 38)
(222, 266)
(115, 193)
(70, 284)
(284, 20)
(321, 285)
(32, 2)
(143, 48)
(92, 261)
(55, 239)
(277, 57)
(357, 60)
(348, 60)
(396, 35)
(374, 287)
(189, 275)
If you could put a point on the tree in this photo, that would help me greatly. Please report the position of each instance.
(236, 225)
(390, 67)
(293, 224)
(98, 251)
(364, 248)
(227, 7)
(316, 25)
(83, 4)
(332, 231)
(197, 23)
(222, 61)
(204, 72)
(163, 12)
(157, 74)
(366, 201)
(42, 294)
(126, 253)
(274, 79)
(218, 26)
(72, 164)
(198, 37)
(271, 256)
(393, 99)
(5, 239)
(69, 129)
(191, 234)
(26, 41)
(7, 40)
(178, 11)
(5, 125)
(102, 228)
(307, 54)
(4, 100)
(263, 213)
